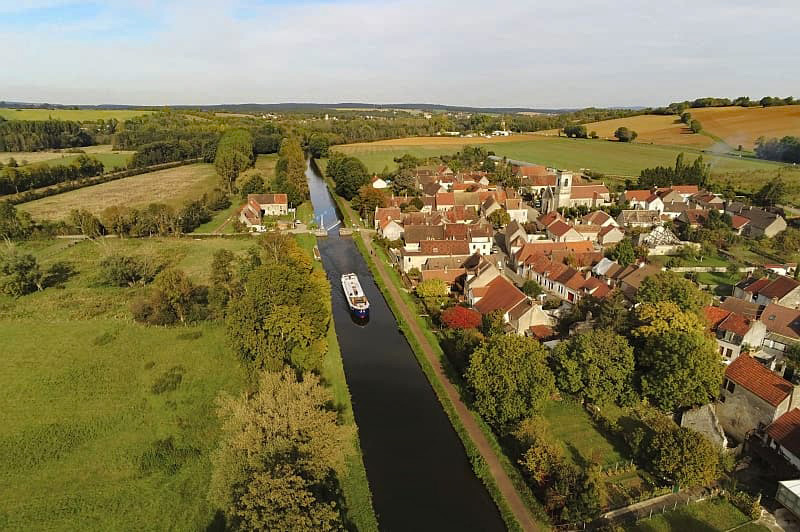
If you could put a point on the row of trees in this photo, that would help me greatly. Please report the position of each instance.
(14, 180)
(167, 151)
(36, 135)
(290, 171)
(694, 125)
(348, 173)
(677, 108)
(697, 173)
(786, 149)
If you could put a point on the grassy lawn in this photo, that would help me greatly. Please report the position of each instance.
(173, 186)
(103, 152)
(264, 166)
(582, 441)
(305, 212)
(220, 218)
(716, 515)
(82, 421)
(79, 115)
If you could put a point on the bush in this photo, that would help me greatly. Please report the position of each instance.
(124, 270)
(745, 502)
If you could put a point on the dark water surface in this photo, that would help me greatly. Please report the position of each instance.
(417, 468)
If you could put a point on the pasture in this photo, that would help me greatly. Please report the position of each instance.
(172, 186)
(109, 425)
(78, 115)
(103, 152)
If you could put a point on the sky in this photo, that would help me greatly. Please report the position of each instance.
(509, 53)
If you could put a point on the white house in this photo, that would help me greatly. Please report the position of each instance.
(378, 182)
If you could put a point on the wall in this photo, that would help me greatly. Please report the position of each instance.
(742, 411)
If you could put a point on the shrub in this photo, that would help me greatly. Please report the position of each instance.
(125, 270)
(745, 502)
(461, 318)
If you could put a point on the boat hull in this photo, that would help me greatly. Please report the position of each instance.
(361, 313)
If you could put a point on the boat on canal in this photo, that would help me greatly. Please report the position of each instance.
(356, 300)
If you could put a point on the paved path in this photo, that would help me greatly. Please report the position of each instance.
(501, 479)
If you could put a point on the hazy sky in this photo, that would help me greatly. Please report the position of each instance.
(530, 53)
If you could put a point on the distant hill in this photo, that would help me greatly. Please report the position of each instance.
(732, 125)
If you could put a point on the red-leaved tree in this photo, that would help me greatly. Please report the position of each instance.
(461, 318)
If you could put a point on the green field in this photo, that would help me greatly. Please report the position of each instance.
(85, 441)
(716, 515)
(109, 160)
(79, 115)
(612, 158)
(581, 439)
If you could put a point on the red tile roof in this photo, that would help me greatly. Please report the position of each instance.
(588, 191)
(444, 247)
(715, 315)
(637, 195)
(782, 320)
(735, 323)
(269, 199)
(550, 217)
(596, 217)
(501, 294)
(534, 171)
(757, 285)
(445, 198)
(779, 287)
(737, 222)
(786, 431)
(449, 276)
(559, 228)
(542, 332)
(759, 380)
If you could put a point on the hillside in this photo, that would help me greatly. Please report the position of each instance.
(733, 125)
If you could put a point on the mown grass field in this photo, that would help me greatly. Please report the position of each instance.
(615, 159)
(716, 515)
(79, 115)
(582, 441)
(84, 438)
(172, 186)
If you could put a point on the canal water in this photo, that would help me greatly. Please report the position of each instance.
(417, 468)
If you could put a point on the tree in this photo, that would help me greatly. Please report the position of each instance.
(509, 379)
(179, 295)
(623, 134)
(543, 452)
(678, 360)
(613, 313)
(576, 131)
(126, 270)
(459, 317)
(773, 192)
(499, 218)
(85, 222)
(669, 286)
(623, 252)
(433, 292)
(596, 366)
(290, 171)
(368, 200)
(278, 459)
(253, 185)
(686, 117)
(19, 273)
(350, 175)
(234, 154)
(695, 126)
(532, 289)
(14, 224)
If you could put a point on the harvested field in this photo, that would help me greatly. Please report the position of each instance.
(79, 115)
(172, 186)
(652, 129)
(743, 125)
(103, 152)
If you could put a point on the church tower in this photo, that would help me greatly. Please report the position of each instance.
(563, 189)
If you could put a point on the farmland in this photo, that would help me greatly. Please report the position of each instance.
(103, 152)
(652, 129)
(78, 115)
(611, 158)
(743, 125)
(172, 186)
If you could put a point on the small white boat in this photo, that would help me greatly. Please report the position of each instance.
(356, 299)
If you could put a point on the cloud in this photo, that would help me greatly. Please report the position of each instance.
(539, 54)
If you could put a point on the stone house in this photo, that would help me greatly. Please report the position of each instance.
(752, 397)
(734, 332)
(782, 290)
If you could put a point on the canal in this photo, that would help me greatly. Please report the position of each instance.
(417, 468)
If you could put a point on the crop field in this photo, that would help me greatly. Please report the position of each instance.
(172, 186)
(78, 115)
(655, 129)
(96, 434)
(743, 125)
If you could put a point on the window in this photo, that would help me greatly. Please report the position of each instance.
(730, 386)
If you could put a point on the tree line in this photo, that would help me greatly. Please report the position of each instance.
(14, 179)
(36, 135)
(697, 173)
(786, 149)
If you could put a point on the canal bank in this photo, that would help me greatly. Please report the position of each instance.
(418, 471)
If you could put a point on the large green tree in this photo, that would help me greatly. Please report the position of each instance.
(596, 366)
(677, 359)
(234, 154)
(290, 171)
(278, 459)
(509, 378)
(669, 286)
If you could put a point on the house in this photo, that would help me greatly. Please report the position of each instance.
(782, 290)
(734, 332)
(557, 278)
(673, 209)
(659, 239)
(752, 397)
(783, 329)
(588, 231)
(514, 237)
(601, 218)
(451, 270)
(610, 235)
(739, 224)
(565, 194)
(643, 199)
(260, 206)
(627, 278)
(761, 222)
(638, 218)
(705, 200)
(694, 218)
(478, 236)
(390, 229)
(560, 231)
(444, 201)
(428, 249)
(379, 183)
(781, 269)
(783, 436)
(548, 247)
